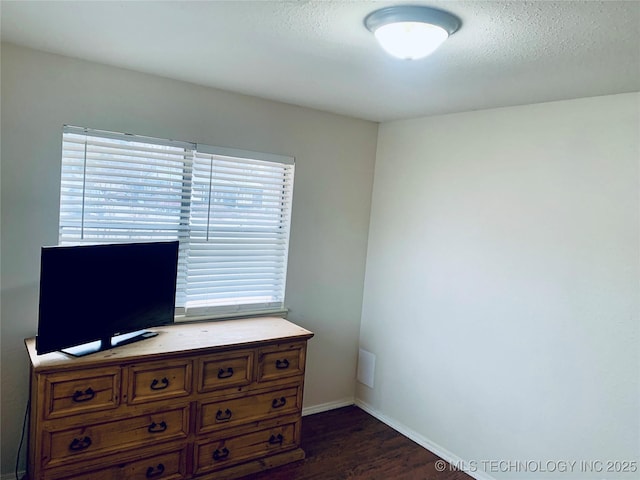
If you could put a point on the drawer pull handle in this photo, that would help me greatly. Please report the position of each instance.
(157, 427)
(276, 439)
(164, 384)
(85, 396)
(223, 416)
(79, 444)
(282, 364)
(225, 374)
(221, 454)
(155, 472)
(279, 403)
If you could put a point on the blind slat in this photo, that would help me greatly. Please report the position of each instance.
(231, 211)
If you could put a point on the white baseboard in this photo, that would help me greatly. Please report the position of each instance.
(443, 453)
(325, 407)
(399, 427)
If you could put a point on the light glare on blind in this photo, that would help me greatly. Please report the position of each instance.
(231, 213)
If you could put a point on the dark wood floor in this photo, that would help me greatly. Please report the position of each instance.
(348, 443)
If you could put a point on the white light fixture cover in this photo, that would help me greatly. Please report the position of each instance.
(411, 31)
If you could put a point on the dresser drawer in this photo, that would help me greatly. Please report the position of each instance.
(217, 454)
(201, 400)
(225, 370)
(71, 393)
(99, 439)
(159, 381)
(281, 361)
(165, 466)
(220, 414)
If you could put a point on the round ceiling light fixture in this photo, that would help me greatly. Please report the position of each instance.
(411, 31)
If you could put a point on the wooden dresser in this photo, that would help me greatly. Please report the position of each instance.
(214, 400)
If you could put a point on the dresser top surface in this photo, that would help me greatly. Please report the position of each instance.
(180, 338)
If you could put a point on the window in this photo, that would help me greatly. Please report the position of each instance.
(230, 210)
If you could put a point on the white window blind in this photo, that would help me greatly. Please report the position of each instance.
(230, 210)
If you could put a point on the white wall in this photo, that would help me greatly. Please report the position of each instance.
(334, 168)
(502, 283)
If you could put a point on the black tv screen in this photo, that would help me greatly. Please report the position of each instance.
(91, 293)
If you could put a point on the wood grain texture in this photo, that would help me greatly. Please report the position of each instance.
(185, 404)
(180, 338)
(348, 443)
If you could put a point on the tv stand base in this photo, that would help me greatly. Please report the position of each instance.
(108, 342)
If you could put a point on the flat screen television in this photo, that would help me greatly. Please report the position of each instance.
(95, 297)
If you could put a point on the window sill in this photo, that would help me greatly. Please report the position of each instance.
(275, 312)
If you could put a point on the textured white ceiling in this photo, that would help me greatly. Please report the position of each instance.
(319, 54)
